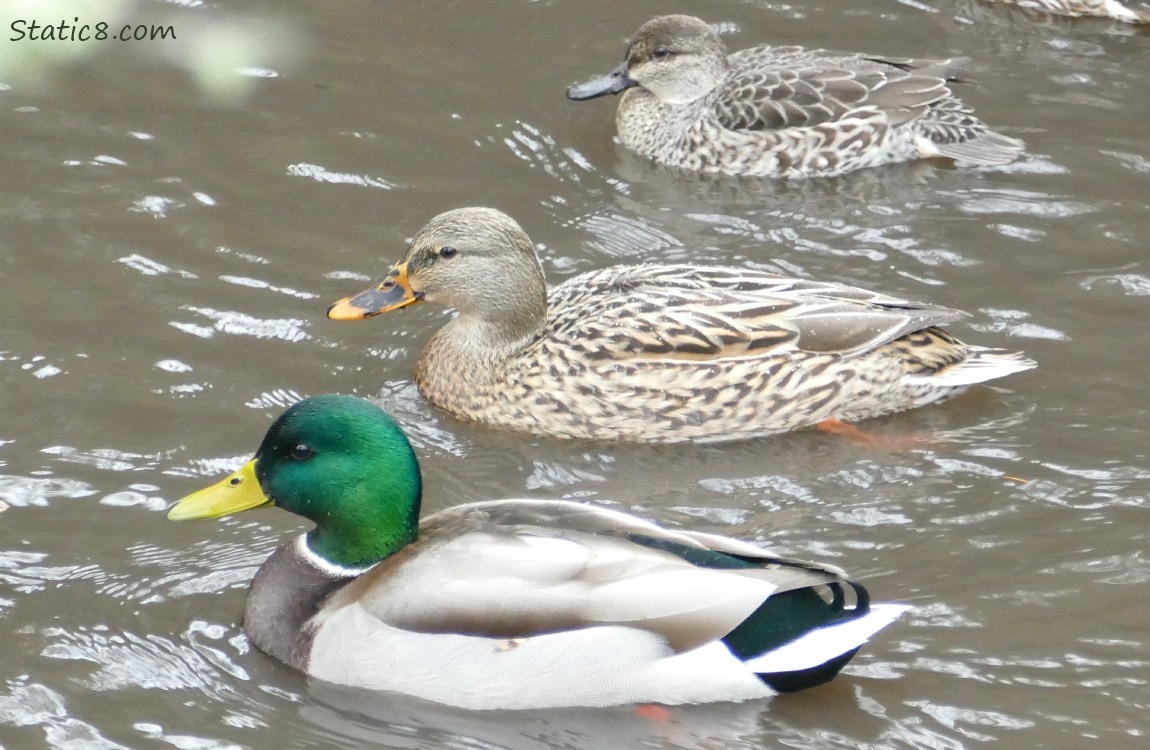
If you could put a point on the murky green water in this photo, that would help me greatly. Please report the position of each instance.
(166, 260)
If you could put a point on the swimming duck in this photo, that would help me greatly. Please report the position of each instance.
(1132, 11)
(786, 111)
(661, 353)
(515, 603)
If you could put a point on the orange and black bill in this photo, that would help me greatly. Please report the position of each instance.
(391, 293)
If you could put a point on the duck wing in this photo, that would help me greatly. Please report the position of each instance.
(770, 88)
(697, 313)
(521, 568)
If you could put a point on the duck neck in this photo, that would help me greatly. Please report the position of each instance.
(368, 528)
(509, 313)
(472, 348)
(495, 338)
(285, 594)
(646, 124)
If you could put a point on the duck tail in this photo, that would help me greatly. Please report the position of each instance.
(985, 149)
(1135, 11)
(797, 639)
(979, 365)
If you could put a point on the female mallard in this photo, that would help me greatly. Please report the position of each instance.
(661, 353)
(515, 603)
(1132, 11)
(786, 111)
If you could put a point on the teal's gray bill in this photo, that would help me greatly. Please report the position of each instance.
(613, 83)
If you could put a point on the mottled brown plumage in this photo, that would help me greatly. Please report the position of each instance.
(662, 353)
(1132, 11)
(786, 111)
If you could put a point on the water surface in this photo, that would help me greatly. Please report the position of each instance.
(167, 256)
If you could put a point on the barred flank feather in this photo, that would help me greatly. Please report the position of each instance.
(1132, 11)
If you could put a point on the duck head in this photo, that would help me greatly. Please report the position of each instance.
(476, 260)
(678, 59)
(336, 460)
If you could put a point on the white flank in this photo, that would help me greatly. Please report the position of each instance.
(820, 646)
(597, 666)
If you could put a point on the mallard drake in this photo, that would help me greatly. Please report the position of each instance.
(661, 353)
(515, 603)
(1132, 11)
(786, 111)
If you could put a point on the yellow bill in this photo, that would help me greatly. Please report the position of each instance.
(233, 493)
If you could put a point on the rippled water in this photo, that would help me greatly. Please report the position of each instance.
(167, 257)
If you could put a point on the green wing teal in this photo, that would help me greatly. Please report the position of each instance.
(1131, 11)
(786, 111)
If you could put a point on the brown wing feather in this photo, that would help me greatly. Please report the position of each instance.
(705, 314)
(772, 88)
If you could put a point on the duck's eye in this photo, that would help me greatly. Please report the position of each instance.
(661, 53)
(301, 452)
(448, 252)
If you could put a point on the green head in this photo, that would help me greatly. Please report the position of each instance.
(339, 461)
